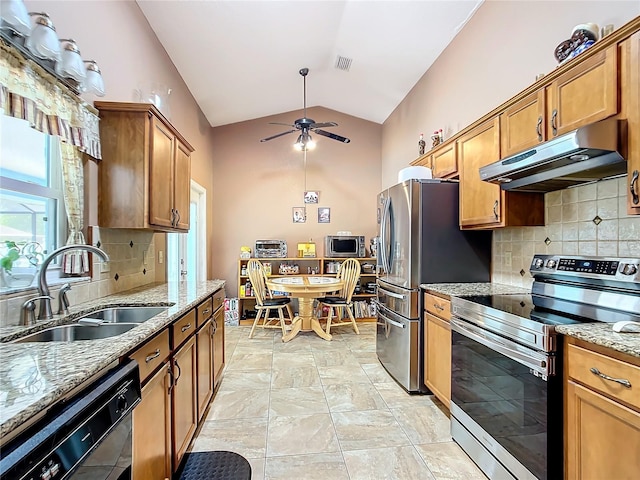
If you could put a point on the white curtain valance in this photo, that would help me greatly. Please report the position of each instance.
(28, 92)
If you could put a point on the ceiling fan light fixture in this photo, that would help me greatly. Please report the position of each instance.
(304, 142)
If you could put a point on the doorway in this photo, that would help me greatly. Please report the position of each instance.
(187, 252)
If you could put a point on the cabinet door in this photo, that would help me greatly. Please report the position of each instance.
(445, 161)
(480, 202)
(218, 345)
(161, 179)
(152, 429)
(182, 187)
(183, 399)
(603, 437)
(631, 101)
(585, 94)
(204, 342)
(438, 357)
(522, 125)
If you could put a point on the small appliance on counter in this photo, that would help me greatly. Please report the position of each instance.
(344, 246)
(271, 249)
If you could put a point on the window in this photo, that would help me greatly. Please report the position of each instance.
(31, 196)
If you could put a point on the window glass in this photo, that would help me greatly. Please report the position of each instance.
(31, 197)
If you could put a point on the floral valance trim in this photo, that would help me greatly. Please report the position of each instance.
(28, 92)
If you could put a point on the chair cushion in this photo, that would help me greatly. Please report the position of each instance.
(276, 302)
(333, 300)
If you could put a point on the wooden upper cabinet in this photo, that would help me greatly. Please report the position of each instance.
(144, 179)
(480, 202)
(585, 94)
(444, 161)
(522, 125)
(161, 176)
(630, 103)
(483, 204)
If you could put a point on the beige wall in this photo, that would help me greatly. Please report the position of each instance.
(117, 36)
(256, 185)
(496, 55)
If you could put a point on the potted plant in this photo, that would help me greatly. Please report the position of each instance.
(20, 263)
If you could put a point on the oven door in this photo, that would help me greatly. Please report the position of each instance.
(504, 413)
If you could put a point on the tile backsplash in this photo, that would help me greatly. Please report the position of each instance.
(586, 220)
(132, 254)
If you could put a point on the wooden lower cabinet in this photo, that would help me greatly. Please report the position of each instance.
(184, 399)
(204, 346)
(218, 345)
(603, 437)
(437, 346)
(152, 429)
(602, 413)
(438, 357)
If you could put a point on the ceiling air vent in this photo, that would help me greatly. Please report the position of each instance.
(343, 63)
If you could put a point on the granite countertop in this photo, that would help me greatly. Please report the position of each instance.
(34, 376)
(602, 334)
(466, 289)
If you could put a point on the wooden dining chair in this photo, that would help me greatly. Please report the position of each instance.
(349, 274)
(264, 301)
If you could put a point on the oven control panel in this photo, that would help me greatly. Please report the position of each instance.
(620, 269)
(603, 267)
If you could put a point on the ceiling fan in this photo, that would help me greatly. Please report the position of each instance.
(306, 125)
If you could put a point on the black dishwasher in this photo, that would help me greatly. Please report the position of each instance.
(87, 436)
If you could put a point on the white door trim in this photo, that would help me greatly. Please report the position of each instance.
(199, 196)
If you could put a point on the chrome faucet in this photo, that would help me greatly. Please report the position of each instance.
(43, 288)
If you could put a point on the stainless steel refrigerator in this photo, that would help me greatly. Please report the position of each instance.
(420, 241)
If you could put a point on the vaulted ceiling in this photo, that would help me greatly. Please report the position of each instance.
(240, 59)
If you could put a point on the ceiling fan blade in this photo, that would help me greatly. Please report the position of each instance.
(280, 123)
(323, 125)
(276, 136)
(332, 135)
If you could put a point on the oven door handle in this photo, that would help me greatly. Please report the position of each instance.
(539, 363)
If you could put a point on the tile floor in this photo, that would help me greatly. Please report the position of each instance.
(312, 409)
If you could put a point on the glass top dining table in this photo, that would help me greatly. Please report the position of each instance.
(306, 289)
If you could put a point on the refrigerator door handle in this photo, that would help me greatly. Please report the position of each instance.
(383, 228)
(392, 294)
(394, 323)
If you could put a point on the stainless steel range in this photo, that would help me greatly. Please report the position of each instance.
(506, 385)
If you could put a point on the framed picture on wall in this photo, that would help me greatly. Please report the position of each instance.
(324, 215)
(311, 197)
(299, 215)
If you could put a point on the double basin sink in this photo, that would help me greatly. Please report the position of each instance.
(104, 323)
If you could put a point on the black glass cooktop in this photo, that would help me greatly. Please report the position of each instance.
(525, 306)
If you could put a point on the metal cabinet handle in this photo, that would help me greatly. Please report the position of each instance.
(438, 307)
(633, 188)
(554, 122)
(539, 128)
(177, 217)
(185, 328)
(206, 311)
(155, 354)
(171, 378)
(495, 209)
(173, 217)
(212, 331)
(179, 372)
(621, 381)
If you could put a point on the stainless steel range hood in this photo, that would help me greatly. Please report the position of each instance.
(584, 155)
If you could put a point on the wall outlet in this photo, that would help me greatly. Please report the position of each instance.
(144, 257)
(160, 256)
(105, 267)
(507, 259)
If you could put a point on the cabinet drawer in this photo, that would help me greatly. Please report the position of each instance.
(152, 354)
(218, 299)
(183, 328)
(438, 306)
(580, 362)
(205, 310)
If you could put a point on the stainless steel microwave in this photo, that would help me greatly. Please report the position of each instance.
(344, 246)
